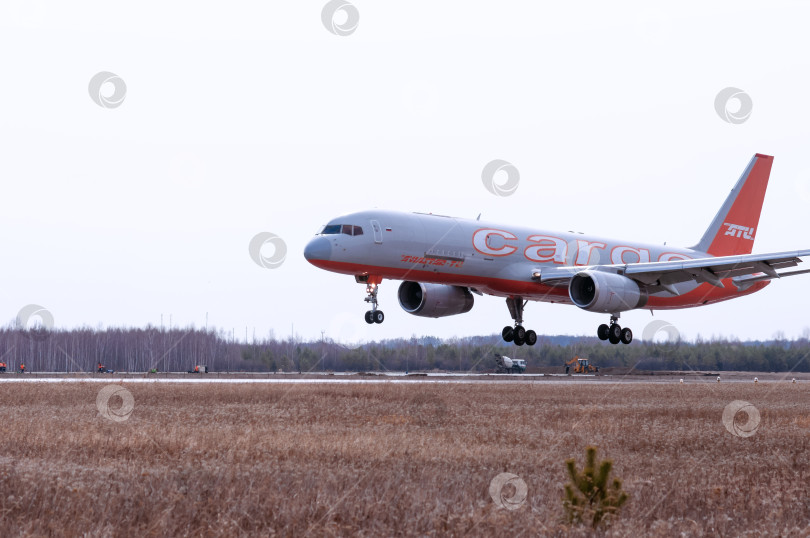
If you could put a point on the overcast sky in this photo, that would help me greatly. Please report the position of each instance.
(246, 117)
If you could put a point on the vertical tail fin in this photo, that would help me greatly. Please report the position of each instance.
(734, 227)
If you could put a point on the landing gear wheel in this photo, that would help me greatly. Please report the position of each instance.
(627, 336)
(508, 334)
(373, 315)
(518, 334)
(603, 331)
(615, 333)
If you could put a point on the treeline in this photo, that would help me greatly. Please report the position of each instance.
(173, 350)
(119, 349)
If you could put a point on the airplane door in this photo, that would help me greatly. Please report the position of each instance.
(375, 226)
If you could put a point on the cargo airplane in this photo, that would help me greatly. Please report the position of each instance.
(443, 261)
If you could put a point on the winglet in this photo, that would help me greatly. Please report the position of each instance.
(734, 227)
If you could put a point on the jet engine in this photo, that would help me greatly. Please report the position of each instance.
(608, 293)
(434, 300)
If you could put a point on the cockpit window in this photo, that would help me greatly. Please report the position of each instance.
(348, 229)
(331, 229)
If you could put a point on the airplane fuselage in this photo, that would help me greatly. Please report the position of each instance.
(491, 258)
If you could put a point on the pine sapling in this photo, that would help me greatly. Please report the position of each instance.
(591, 496)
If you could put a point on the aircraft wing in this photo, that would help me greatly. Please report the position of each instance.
(744, 270)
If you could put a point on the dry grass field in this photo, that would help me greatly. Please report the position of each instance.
(381, 460)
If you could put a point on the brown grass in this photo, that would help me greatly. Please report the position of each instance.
(396, 459)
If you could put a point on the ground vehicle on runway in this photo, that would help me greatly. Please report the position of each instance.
(505, 365)
(582, 366)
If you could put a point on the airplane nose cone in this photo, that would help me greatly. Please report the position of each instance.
(318, 249)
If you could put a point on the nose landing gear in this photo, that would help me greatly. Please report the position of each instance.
(373, 315)
(613, 332)
(518, 334)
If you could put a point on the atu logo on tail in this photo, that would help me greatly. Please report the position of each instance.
(735, 230)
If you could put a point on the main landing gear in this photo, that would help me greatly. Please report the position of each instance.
(614, 333)
(518, 334)
(373, 315)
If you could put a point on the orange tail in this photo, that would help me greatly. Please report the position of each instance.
(734, 227)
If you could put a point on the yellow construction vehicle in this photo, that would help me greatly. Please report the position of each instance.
(583, 366)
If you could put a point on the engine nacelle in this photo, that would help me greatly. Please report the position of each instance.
(434, 300)
(608, 293)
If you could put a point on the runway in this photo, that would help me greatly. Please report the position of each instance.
(393, 378)
(303, 381)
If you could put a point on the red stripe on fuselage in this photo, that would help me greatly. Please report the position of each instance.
(535, 291)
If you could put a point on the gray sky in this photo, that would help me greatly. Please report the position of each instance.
(249, 117)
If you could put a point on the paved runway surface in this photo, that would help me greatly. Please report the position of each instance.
(522, 379)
